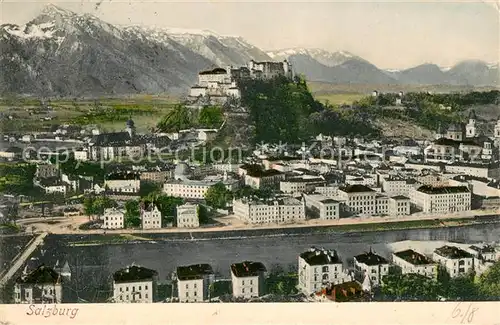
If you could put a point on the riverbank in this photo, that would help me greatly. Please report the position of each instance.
(111, 238)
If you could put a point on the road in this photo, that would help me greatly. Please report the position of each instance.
(70, 225)
(21, 259)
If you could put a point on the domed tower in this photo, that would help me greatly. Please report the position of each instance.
(130, 128)
(470, 128)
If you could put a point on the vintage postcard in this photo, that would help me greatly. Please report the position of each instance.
(249, 162)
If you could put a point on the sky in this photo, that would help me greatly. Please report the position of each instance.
(390, 34)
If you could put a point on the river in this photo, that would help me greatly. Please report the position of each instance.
(93, 266)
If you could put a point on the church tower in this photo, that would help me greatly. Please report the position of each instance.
(130, 128)
(470, 128)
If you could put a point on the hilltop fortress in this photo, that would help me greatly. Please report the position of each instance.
(218, 85)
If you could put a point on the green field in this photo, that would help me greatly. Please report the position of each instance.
(339, 99)
(110, 114)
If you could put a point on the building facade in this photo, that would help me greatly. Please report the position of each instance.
(135, 284)
(411, 261)
(322, 207)
(284, 210)
(113, 218)
(41, 286)
(372, 265)
(248, 279)
(446, 199)
(319, 268)
(150, 217)
(455, 260)
(193, 282)
(187, 216)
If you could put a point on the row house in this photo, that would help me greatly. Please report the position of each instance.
(150, 216)
(43, 285)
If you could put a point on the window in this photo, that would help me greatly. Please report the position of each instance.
(251, 289)
(242, 282)
(146, 296)
(133, 288)
(195, 286)
(187, 294)
(243, 290)
(251, 281)
(140, 288)
(195, 293)
(187, 286)
(126, 288)
(146, 287)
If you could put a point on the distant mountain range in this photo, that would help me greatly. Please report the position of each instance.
(61, 53)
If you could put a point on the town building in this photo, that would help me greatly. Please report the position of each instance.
(187, 216)
(497, 130)
(123, 183)
(43, 285)
(411, 261)
(372, 265)
(150, 216)
(322, 207)
(113, 218)
(396, 185)
(455, 260)
(256, 177)
(319, 268)
(485, 253)
(135, 284)
(47, 170)
(108, 146)
(248, 279)
(301, 184)
(446, 199)
(399, 205)
(268, 70)
(193, 282)
(362, 200)
(51, 185)
(282, 210)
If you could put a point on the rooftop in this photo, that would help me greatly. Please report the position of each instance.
(214, 71)
(452, 252)
(194, 272)
(41, 275)
(258, 171)
(355, 189)
(320, 256)
(427, 189)
(370, 258)
(247, 268)
(400, 197)
(483, 249)
(134, 273)
(413, 257)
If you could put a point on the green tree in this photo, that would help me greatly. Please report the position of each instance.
(411, 287)
(203, 214)
(211, 116)
(179, 118)
(489, 282)
(88, 206)
(148, 188)
(132, 214)
(218, 196)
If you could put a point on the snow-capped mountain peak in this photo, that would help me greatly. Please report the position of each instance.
(327, 58)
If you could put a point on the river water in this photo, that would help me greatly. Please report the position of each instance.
(93, 266)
